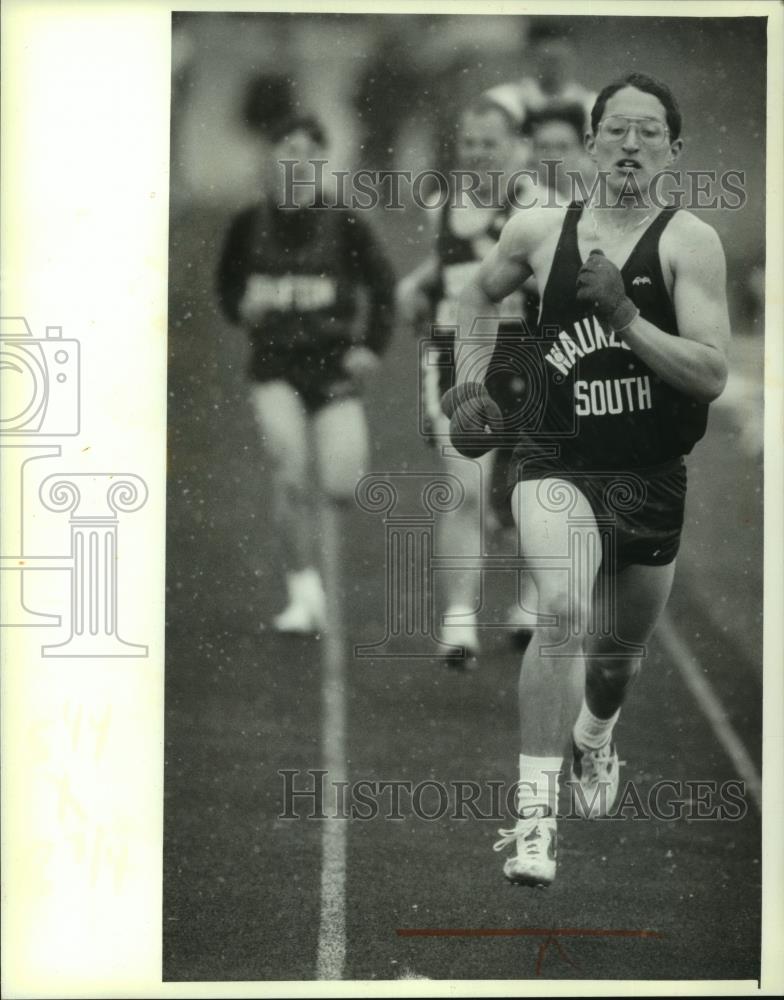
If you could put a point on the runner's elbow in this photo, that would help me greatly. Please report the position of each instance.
(713, 383)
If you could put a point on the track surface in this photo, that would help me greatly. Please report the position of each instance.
(242, 887)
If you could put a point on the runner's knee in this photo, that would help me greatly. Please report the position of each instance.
(290, 484)
(339, 480)
(614, 670)
(341, 447)
(559, 602)
(470, 504)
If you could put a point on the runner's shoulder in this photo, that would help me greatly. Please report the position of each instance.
(687, 235)
(529, 228)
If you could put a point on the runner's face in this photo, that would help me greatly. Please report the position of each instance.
(300, 147)
(557, 141)
(630, 160)
(555, 62)
(484, 143)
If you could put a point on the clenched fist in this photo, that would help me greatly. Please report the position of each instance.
(412, 304)
(360, 362)
(600, 286)
(474, 418)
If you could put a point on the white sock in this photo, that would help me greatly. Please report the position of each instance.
(591, 733)
(461, 631)
(304, 585)
(538, 788)
(463, 611)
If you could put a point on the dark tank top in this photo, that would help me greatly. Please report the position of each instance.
(604, 407)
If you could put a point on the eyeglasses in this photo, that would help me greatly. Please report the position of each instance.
(650, 131)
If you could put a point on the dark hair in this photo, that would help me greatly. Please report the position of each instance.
(269, 97)
(551, 29)
(647, 84)
(300, 122)
(572, 114)
(485, 105)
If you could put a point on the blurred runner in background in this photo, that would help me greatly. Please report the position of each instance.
(556, 134)
(291, 279)
(551, 58)
(464, 232)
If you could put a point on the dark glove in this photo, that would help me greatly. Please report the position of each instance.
(600, 286)
(474, 418)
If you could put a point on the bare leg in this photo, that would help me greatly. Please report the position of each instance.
(640, 594)
(635, 599)
(283, 425)
(460, 532)
(560, 539)
(341, 443)
(557, 532)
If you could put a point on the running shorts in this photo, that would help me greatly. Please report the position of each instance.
(640, 511)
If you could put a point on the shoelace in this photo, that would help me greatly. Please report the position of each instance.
(523, 826)
(607, 761)
(601, 760)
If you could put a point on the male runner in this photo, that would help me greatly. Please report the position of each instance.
(557, 150)
(551, 59)
(634, 349)
(290, 279)
(465, 231)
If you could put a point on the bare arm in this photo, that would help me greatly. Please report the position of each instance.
(234, 267)
(368, 265)
(425, 276)
(415, 292)
(503, 271)
(696, 362)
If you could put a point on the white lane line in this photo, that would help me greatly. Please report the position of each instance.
(331, 956)
(710, 704)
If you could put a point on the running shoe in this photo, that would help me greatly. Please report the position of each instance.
(595, 773)
(305, 614)
(462, 639)
(298, 619)
(533, 863)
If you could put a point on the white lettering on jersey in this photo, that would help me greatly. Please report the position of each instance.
(590, 337)
(291, 292)
(644, 394)
(600, 338)
(571, 350)
(557, 360)
(612, 395)
(585, 336)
